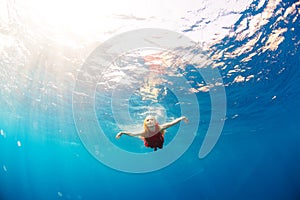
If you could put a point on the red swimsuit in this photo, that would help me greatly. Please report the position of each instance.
(154, 141)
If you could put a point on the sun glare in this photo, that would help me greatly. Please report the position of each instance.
(99, 20)
(76, 17)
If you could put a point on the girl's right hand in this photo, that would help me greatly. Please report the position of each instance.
(119, 135)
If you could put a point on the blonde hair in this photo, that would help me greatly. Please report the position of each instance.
(146, 129)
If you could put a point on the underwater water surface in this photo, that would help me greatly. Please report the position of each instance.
(254, 47)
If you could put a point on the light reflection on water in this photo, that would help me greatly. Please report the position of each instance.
(41, 50)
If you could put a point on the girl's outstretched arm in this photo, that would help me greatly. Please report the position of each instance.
(129, 134)
(172, 123)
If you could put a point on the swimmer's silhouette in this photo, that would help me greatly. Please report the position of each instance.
(153, 134)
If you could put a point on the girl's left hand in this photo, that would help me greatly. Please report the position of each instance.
(185, 119)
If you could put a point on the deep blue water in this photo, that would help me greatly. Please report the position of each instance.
(256, 156)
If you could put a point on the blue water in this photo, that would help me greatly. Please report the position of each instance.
(256, 156)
